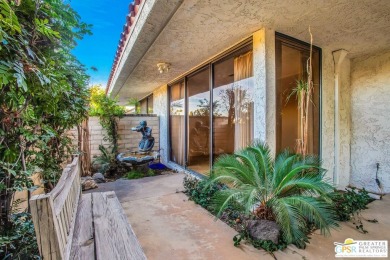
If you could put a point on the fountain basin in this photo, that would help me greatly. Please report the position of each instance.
(138, 158)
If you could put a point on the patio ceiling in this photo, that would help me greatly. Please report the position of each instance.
(186, 33)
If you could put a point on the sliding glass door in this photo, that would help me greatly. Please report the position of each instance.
(233, 111)
(211, 111)
(198, 152)
(177, 123)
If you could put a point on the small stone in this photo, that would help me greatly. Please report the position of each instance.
(99, 178)
(264, 230)
(87, 183)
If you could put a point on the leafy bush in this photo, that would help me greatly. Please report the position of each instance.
(289, 189)
(43, 94)
(349, 202)
(108, 110)
(106, 160)
(200, 191)
(134, 174)
(267, 245)
(20, 241)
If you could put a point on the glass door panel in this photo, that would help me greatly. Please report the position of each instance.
(177, 123)
(291, 64)
(198, 152)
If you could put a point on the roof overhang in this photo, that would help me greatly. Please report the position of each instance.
(186, 34)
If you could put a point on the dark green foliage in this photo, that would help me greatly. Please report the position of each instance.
(134, 174)
(20, 241)
(43, 94)
(106, 160)
(349, 202)
(200, 192)
(267, 245)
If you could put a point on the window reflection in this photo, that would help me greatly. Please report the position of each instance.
(176, 123)
(233, 104)
(291, 59)
(199, 121)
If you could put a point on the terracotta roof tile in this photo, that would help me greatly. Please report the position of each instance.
(130, 19)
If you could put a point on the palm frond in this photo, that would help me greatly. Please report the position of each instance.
(291, 187)
(289, 219)
(316, 211)
(229, 164)
(262, 154)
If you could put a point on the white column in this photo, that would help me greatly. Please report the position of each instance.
(264, 81)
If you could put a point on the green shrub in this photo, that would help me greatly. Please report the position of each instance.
(267, 245)
(199, 191)
(106, 160)
(134, 174)
(289, 190)
(108, 111)
(19, 242)
(349, 202)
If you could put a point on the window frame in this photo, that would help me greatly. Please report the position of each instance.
(247, 43)
(296, 43)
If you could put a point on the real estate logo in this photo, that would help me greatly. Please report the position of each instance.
(361, 248)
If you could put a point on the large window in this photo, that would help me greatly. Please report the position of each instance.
(198, 86)
(291, 67)
(143, 104)
(146, 105)
(230, 125)
(150, 104)
(233, 103)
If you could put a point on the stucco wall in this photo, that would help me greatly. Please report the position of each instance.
(160, 103)
(370, 100)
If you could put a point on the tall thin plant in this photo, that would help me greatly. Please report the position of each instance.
(304, 92)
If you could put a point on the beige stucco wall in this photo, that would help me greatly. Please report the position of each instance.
(370, 107)
(160, 108)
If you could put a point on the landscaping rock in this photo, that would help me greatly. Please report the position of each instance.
(99, 178)
(88, 183)
(264, 230)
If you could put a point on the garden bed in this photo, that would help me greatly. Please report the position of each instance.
(347, 207)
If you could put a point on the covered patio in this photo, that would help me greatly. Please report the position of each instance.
(168, 226)
(351, 131)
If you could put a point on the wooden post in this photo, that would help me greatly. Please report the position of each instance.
(42, 214)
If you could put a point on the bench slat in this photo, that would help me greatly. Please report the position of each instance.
(114, 237)
(83, 241)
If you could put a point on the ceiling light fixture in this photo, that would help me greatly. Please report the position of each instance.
(163, 67)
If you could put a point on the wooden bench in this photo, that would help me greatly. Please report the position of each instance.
(69, 225)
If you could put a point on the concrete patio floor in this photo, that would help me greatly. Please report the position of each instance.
(169, 226)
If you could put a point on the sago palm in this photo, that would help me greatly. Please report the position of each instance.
(289, 189)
